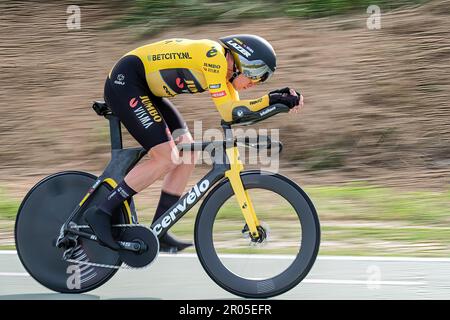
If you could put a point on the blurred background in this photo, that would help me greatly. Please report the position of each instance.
(371, 146)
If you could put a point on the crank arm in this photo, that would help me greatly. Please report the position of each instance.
(137, 246)
(65, 239)
(68, 253)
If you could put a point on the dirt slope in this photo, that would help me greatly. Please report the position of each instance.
(376, 100)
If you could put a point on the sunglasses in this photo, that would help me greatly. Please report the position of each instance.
(264, 77)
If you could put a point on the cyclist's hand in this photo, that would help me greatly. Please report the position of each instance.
(285, 98)
(298, 107)
(284, 90)
(288, 97)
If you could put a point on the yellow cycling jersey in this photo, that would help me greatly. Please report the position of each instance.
(177, 66)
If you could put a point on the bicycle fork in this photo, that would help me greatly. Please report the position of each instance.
(242, 196)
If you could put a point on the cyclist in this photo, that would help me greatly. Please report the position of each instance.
(137, 89)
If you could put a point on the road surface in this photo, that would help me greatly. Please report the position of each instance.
(182, 277)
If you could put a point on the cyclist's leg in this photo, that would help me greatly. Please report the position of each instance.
(132, 101)
(128, 97)
(176, 180)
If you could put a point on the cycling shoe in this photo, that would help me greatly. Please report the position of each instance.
(100, 223)
(169, 243)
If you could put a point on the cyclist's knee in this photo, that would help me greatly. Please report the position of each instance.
(165, 155)
(188, 157)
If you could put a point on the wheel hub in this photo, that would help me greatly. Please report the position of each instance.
(262, 233)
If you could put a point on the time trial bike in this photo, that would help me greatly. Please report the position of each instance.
(256, 233)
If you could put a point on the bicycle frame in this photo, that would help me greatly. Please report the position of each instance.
(226, 163)
(189, 199)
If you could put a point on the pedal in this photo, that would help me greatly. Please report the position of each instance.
(69, 252)
(145, 246)
(69, 243)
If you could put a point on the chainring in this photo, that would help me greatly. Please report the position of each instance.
(144, 236)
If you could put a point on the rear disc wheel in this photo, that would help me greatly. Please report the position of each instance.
(42, 213)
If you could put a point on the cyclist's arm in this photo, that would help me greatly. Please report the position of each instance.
(228, 101)
(226, 98)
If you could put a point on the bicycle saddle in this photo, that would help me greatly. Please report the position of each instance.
(101, 108)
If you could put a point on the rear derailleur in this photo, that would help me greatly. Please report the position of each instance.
(139, 246)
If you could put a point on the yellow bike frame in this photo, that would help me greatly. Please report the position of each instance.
(242, 195)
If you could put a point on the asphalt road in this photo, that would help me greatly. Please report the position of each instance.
(182, 277)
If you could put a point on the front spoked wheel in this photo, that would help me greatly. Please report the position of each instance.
(284, 252)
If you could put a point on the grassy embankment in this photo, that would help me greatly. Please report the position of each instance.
(357, 219)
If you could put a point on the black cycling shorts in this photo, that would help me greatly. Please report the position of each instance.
(151, 120)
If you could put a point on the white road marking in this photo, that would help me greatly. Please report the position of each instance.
(369, 258)
(231, 256)
(367, 283)
(14, 274)
(307, 281)
(283, 257)
(290, 257)
(8, 252)
(310, 281)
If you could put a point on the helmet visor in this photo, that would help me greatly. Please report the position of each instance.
(256, 70)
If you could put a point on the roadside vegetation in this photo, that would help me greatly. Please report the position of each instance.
(157, 15)
(356, 219)
(8, 206)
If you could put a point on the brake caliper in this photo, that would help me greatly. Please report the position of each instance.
(262, 234)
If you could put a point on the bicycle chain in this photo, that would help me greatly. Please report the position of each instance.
(102, 265)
